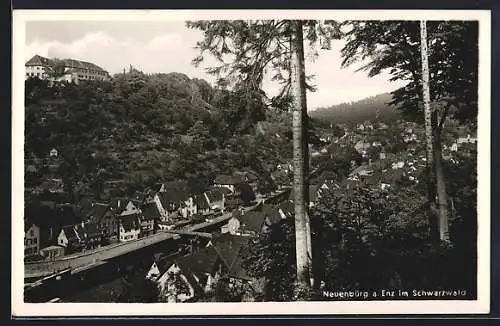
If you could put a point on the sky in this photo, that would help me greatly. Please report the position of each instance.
(168, 46)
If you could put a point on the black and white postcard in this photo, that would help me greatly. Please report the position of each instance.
(292, 162)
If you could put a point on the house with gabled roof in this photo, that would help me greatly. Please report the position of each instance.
(252, 223)
(328, 184)
(286, 209)
(69, 70)
(71, 239)
(467, 140)
(122, 205)
(215, 198)
(31, 238)
(272, 213)
(65, 214)
(157, 268)
(129, 227)
(248, 177)
(149, 217)
(175, 203)
(107, 220)
(233, 224)
(202, 205)
(190, 277)
(97, 211)
(227, 181)
(93, 235)
(205, 266)
(130, 208)
(228, 247)
(233, 250)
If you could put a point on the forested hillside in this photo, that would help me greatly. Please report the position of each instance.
(139, 129)
(375, 108)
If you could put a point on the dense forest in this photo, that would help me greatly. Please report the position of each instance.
(138, 129)
(374, 108)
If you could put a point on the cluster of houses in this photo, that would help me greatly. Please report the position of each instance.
(367, 125)
(460, 142)
(196, 276)
(54, 227)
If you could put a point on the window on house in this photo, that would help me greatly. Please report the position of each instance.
(31, 233)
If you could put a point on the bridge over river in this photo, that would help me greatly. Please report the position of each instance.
(85, 260)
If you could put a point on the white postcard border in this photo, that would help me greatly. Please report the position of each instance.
(481, 305)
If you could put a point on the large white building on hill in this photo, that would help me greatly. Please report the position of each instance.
(63, 69)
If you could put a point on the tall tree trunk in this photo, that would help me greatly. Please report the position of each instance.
(428, 132)
(442, 195)
(306, 181)
(299, 163)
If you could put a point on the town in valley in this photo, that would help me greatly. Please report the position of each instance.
(145, 186)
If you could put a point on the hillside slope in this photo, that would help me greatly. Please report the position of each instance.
(373, 108)
(140, 129)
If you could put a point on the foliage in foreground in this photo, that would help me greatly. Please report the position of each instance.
(368, 238)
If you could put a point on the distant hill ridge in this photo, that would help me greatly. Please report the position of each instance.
(371, 108)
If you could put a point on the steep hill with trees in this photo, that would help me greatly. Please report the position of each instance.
(374, 108)
(140, 129)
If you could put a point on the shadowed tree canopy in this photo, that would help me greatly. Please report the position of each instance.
(394, 47)
(247, 50)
